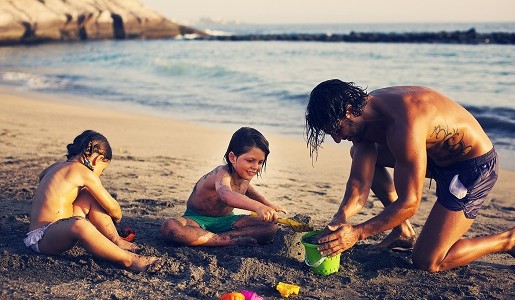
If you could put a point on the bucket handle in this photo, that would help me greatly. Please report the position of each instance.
(316, 264)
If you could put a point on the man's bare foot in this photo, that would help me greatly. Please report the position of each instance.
(397, 239)
(145, 263)
(132, 247)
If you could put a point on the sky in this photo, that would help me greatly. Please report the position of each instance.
(336, 11)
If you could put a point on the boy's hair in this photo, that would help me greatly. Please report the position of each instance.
(328, 102)
(87, 143)
(242, 141)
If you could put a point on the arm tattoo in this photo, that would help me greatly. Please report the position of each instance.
(451, 141)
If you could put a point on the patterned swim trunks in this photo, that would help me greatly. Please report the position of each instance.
(465, 185)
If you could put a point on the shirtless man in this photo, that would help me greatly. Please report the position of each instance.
(418, 132)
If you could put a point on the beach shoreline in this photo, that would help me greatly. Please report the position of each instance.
(156, 162)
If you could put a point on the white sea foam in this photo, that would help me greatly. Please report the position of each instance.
(217, 32)
(32, 81)
(189, 36)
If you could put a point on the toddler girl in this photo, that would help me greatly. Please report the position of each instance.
(71, 205)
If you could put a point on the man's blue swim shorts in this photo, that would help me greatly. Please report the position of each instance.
(465, 185)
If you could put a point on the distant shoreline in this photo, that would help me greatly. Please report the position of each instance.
(470, 36)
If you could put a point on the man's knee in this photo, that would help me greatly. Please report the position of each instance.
(424, 262)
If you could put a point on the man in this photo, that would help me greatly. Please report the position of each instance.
(417, 131)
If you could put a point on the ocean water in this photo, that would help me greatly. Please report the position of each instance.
(266, 84)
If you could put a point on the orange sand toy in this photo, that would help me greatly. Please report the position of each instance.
(232, 296)
(287, 289)
(128, 234)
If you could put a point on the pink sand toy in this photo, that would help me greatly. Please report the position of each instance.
(250, 295)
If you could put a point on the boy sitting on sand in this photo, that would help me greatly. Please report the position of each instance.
(71, 205)
(209, 219)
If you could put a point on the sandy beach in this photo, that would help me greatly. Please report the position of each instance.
(156, 162)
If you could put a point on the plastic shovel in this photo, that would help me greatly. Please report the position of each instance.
(295, 225)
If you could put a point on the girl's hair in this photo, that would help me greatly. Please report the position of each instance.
(329, 101)
(87, 143)
(242, 141)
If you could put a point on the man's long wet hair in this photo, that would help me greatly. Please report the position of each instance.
(328, 102)
(242, 141)
(87, 143)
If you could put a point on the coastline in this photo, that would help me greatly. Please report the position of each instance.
(156, 163)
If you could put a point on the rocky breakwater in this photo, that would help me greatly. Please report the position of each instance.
(34, 21)
(470, 36)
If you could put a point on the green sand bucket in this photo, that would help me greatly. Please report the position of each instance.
(319, 264)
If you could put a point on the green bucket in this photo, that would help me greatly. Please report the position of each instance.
(319, 264)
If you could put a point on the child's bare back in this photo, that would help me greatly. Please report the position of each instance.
(58, 188)
(71, 205)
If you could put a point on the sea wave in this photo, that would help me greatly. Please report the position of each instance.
(35, 81)
(218, 32)
(193, 69)
(500, 121)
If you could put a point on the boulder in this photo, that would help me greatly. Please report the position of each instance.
(29, 21)
(13, 23)
(45, 24)
(70, 30)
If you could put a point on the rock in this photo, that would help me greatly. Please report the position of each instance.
(12, 22)
(31, 21)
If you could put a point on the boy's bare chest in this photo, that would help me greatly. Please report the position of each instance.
(240, 187)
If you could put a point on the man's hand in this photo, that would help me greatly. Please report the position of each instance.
(337, 220)
(338, 238)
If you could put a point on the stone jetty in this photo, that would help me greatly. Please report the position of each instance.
(470, 36)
